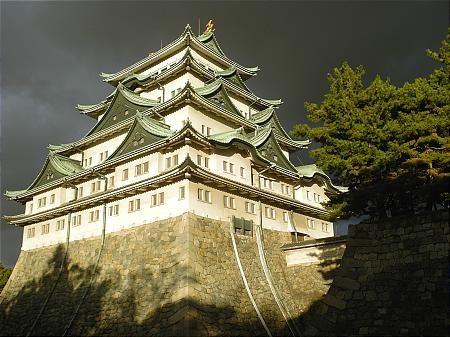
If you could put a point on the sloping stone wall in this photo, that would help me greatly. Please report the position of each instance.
(174, 277)
(393, 281)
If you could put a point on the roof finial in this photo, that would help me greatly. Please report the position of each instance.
(209, 28)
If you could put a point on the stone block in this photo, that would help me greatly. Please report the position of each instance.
(334, 302)
(346, 283)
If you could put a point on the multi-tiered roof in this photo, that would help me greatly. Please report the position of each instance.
(142, 123)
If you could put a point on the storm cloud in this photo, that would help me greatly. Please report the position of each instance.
(52, 53)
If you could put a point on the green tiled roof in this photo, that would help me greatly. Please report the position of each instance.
(143, 132)
(308, 171)
(124, 105)
(210, 41)
(55, 167)
(228, 136)
(216, 93)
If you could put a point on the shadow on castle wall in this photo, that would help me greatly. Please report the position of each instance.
(40, 309)
(393, 280)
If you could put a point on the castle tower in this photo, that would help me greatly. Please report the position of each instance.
(180, 137)
(180, 133)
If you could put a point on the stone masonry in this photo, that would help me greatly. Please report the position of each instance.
(172, 277)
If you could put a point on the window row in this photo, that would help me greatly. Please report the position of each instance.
(316, 197)
(42, 202)
(45, 228)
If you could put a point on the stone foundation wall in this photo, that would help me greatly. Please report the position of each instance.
(174, 277)
(393, 281)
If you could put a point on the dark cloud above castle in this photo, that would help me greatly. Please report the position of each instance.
(53, 52)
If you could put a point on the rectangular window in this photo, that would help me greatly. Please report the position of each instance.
(76, 220)
(175, 160)
(125, 174)
(157, 199)
(42, 202)
(324, 227)
(85, 163)
(134, 205)
(113, 210)
(52, 199)
(270, 213)
(231, 168)
(204, 195)
(181, 193)
(45, 229)
(141, 169)
(95, 186)
(93, 216)
(307, 195)
(80, 192)
(206, 162)
(90, 161)
(60, 225)
(225, 166)
(229, 202)
(168, 163)
(206, 131)
(285, 217)
(30, 232)
(172, 93)
(250, 207)
(310, 223)
(199, 160)
(110, 182)
(242, 172)
(31, 208)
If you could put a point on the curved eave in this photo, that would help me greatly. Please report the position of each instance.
(129, 96)
(263, 136)
(188, 63)
(311, 172)
(150, 183)
(233, 137)
(186, 96)
(186, 170)
(63, 165)
(187, 38)
(267, 118)
(211, 37)
(153, 57)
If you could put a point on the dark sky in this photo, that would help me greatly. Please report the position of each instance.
(52, 53)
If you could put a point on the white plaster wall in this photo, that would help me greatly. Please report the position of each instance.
(198, 119)
(175, 84)
(60, 197)
(110, 145)
(216, 209)
(199, 58)
(86, 229)
(163, 64)
(238, 160)
(41, 240)
(176, 119)
(76, 156)
(243, 106)
(301, 195)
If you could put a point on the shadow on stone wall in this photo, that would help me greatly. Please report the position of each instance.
(20, 313)
(393, 280)
(104, 311)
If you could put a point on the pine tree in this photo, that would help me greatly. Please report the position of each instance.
(389, 145)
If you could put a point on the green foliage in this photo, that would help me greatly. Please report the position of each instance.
(389, 145)
(4, 275)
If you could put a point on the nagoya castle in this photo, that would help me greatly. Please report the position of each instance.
(176, 214)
